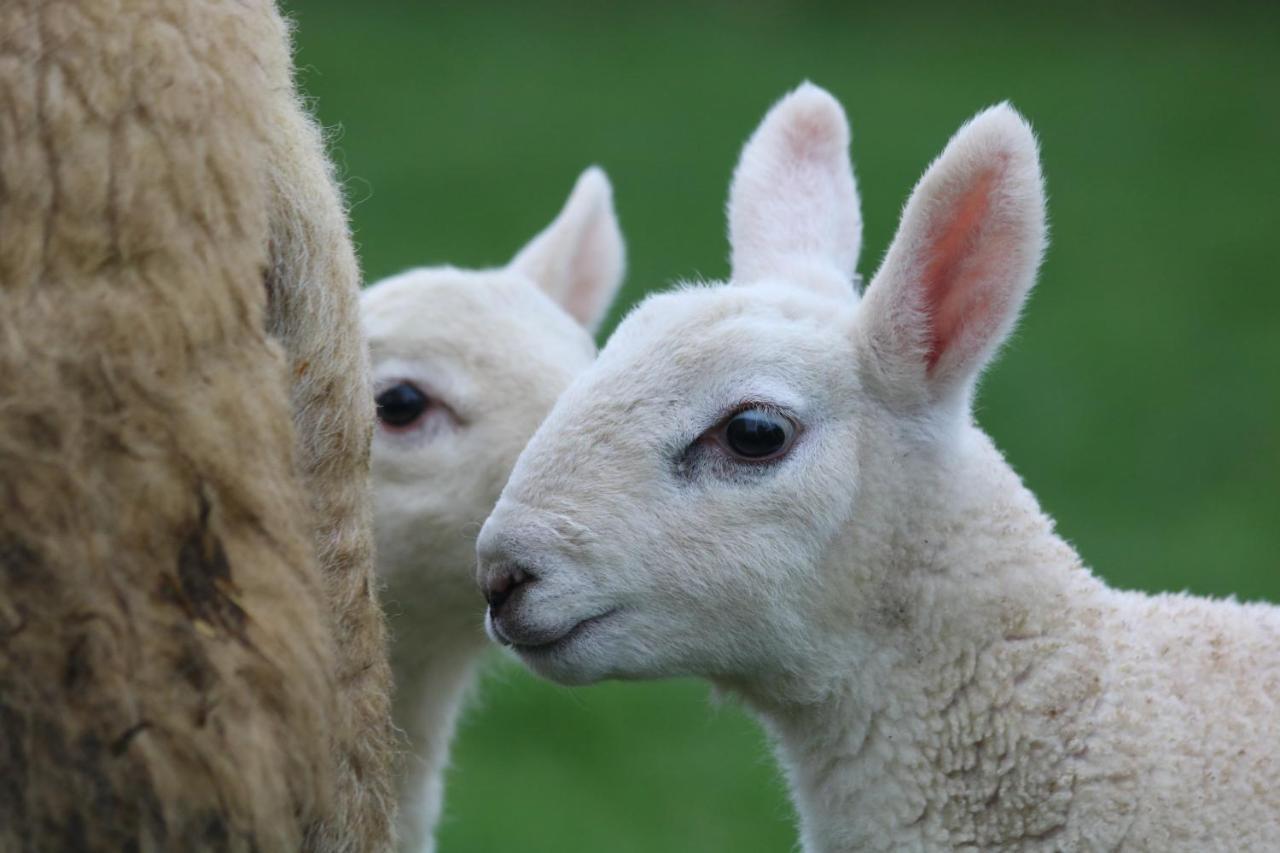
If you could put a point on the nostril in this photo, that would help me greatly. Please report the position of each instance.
(505, 582)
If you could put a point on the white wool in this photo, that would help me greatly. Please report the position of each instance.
(938, 669)
(492, 350)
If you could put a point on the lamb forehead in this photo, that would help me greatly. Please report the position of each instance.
(449, 311)
(690, 306)
(711, 337)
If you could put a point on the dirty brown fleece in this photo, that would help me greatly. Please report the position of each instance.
(191, 651)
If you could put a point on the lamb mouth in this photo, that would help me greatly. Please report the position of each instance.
(556, 643)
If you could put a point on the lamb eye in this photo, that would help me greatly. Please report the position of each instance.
(758, 434)
(401, 405)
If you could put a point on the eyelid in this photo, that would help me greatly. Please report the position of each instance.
(435, 399)
(391, 380)
(738, 408)
(441, 378)
(438, 415)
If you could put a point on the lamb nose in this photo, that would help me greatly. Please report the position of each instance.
(504, 583)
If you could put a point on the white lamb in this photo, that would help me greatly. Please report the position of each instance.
(465, 366)
(780, 487)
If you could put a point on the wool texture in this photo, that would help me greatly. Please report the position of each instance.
(191, 651)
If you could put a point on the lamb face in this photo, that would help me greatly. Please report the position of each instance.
(656, 548)
(722, 491)
(465, 365)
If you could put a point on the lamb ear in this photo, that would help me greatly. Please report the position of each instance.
(579, 259)
(964, 258)
(794, 199)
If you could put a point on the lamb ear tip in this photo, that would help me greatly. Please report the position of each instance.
(593, 181)
(811, 114)
(812, 101)
(1004, 126)
(809, 92)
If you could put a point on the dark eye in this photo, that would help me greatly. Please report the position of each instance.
(401, 405)
(757, 434)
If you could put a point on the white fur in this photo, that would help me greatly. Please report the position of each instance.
(938, 668)
(492, 349)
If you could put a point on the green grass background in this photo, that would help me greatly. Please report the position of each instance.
(1140, 398)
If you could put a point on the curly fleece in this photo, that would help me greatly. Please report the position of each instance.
(191, 652)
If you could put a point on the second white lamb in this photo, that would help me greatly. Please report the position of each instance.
(465, 365)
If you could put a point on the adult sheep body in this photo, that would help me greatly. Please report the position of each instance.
(191, 653)
(778, 484)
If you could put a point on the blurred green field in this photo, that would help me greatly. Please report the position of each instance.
(1141, 398)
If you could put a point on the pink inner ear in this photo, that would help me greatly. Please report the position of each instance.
(959, 262)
